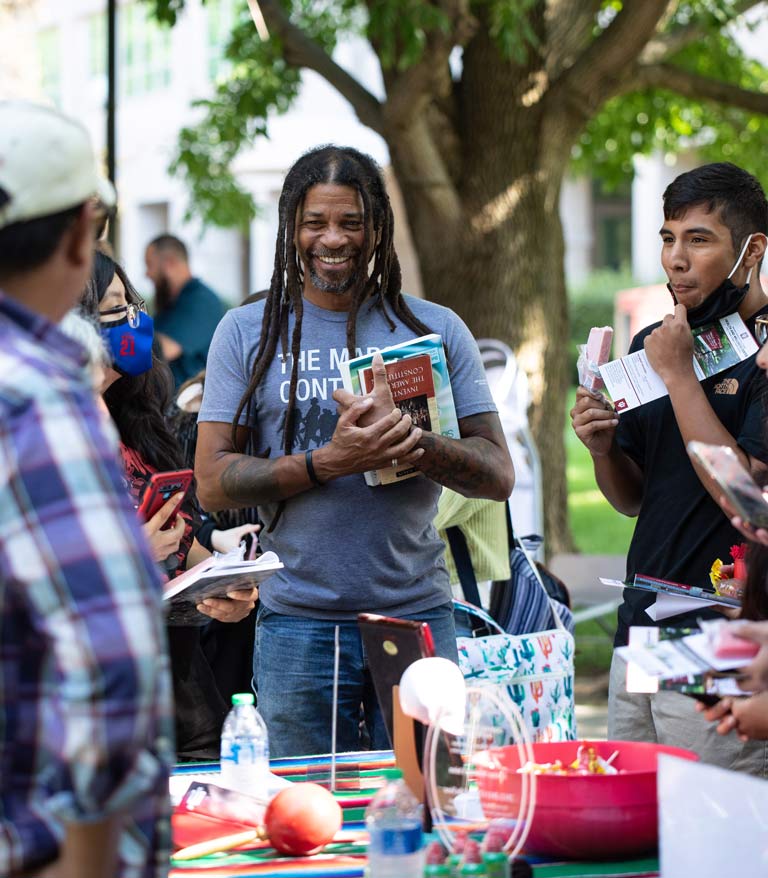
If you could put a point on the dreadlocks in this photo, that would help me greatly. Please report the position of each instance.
(342, 166)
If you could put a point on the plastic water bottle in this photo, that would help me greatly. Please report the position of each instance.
(393, 820)
(245, 748)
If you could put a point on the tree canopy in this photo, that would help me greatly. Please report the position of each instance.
(692, 85)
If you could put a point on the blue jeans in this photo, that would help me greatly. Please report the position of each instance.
(293, 669)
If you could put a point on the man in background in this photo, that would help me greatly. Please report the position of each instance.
(86, 737)
(186, 310)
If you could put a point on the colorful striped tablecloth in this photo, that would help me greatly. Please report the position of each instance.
(358, 777)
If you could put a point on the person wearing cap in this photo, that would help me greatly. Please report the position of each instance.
(86, 741)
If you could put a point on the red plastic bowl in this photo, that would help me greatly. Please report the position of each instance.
(580, 816)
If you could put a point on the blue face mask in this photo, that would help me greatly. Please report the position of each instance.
(130, 342)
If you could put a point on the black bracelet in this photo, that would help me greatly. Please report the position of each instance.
(311, 470)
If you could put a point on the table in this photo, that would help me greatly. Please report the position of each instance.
(347, 859)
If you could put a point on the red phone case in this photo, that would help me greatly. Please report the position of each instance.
(160, 488)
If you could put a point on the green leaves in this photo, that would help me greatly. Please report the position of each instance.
(510, 25)
(399, 29)
(657, 119)
(259, 83)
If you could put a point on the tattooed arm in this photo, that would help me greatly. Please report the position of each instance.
(477, 465)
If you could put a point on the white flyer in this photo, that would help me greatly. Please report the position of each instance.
(631, 381)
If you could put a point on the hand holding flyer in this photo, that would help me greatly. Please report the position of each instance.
(631, 381)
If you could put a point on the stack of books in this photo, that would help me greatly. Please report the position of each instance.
(417, 374)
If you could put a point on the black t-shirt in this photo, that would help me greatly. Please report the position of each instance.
(680, 530)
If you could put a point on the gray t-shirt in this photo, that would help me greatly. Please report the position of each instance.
(347, 547)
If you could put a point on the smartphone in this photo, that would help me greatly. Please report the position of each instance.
(160, 488)
(722, 465)
(391, 645)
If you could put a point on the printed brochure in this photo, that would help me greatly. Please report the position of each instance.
(632, 382)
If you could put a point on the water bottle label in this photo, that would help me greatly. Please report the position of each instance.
(244, 753)
(390, 840)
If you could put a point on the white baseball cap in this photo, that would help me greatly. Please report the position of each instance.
(47, 164)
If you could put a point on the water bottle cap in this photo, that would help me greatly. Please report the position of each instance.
(242, 698)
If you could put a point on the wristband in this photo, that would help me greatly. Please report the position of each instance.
(311, 470)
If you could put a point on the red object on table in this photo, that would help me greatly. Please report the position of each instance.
(599, 817)
(302, 818)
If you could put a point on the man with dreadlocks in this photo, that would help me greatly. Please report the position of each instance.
(347, 548)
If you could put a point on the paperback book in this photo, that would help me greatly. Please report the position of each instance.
(417, 374)
(214, 578)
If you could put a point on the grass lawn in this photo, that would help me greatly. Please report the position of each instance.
(597, 528)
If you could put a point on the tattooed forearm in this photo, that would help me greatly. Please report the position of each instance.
(251, 480)
(475, 465)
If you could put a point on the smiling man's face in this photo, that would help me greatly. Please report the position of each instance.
(697, 253)
(330, 236)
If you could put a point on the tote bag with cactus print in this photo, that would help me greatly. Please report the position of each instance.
(535, 671)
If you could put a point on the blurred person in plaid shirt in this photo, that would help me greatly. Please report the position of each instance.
(86, 737)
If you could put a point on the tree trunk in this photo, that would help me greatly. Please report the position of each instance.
(500, 266)
(518, 266)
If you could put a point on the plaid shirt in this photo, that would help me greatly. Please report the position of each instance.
(85, 694)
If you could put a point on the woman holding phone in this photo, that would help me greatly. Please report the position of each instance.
(137, 391)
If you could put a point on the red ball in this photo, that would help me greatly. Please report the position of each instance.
(302, 818)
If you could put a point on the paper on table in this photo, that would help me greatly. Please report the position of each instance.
(671, 605)
(712, 822)
(178, 784)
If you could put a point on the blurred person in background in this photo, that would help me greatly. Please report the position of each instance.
(186, 310)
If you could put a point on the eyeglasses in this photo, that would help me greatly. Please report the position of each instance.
(761, 328)
(131, 310)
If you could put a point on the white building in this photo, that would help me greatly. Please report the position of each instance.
(57, 51)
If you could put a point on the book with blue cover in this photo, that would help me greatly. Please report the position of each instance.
(417, 373)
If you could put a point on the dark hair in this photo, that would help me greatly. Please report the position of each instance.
(754, 604)
(341, 166)
(170, 244)
(137, 403)
(255, 297)
(25, 246)
(735, 195)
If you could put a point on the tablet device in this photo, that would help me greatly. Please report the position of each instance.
(742, 492)
(391, 645)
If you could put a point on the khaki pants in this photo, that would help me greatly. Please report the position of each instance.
(671, 719)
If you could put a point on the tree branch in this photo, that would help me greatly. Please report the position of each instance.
(301, 51)
(667, 44)
(696, 87)
(429, 78)
(569, 30)
(595, 74)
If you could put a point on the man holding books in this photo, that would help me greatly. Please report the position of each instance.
(347, 547)
(713, 241)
